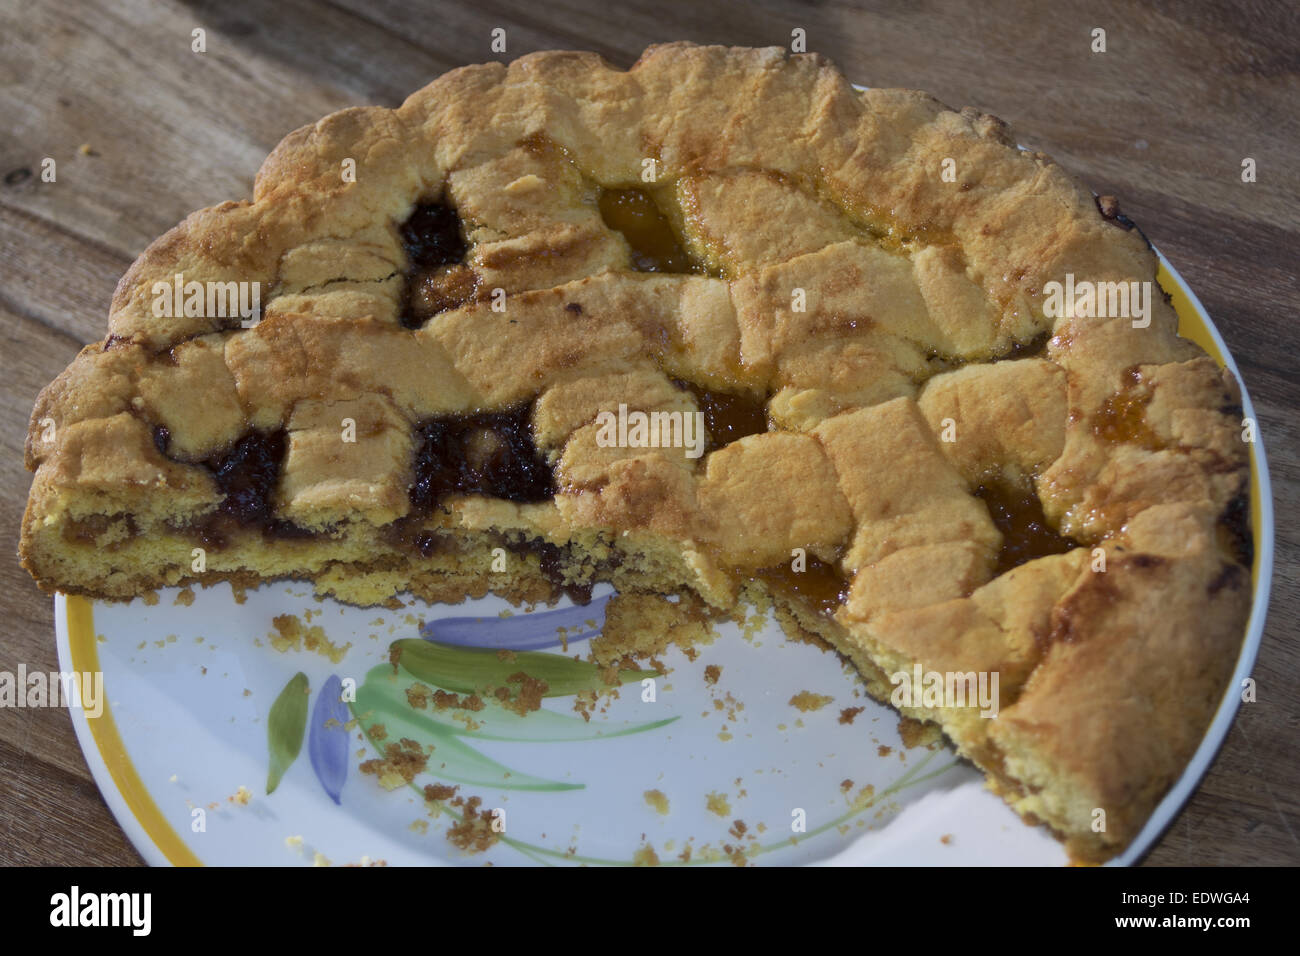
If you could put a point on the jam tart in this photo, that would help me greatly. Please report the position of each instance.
(901, 452)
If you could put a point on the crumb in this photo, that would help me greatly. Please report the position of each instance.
(946, 839)
(240, 594)
(738, 829)
(717, 803)
(289, 634)
(865, 797)
(848, 713)
(883, 751)
(656, 799)
(807, 701)
(293, 842)
(172, 779)
(419, 826)
(445, 700)
(241, 796)
(150, 598)
(583, 703)
(399, 765)
(185, 597)
(916, 733)
(641, 626)
(470, 723)
(846, 785)
(320, 859)
(417, 696)
(528, 694)
(712, 673)
(645, 856)
(439, 791)
(473, 833)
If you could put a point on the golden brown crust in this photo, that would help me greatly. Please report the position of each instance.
(863, 262)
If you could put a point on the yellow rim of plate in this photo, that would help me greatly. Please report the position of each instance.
(85, 659)
(1192, 324)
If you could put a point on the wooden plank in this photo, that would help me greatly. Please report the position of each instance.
(120, 78)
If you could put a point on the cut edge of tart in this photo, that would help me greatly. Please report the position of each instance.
(900, 451)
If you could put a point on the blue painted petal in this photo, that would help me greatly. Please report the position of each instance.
(519, 632)
(327, 738)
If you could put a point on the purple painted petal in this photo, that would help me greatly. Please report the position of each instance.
(519, 632)
(327, 738)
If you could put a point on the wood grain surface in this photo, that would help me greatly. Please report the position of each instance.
(144, 130)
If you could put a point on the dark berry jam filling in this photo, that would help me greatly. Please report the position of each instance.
(410, 534)
(490, 453)
(552, 559)
(431, 237)
(436, 277)
(246, 475)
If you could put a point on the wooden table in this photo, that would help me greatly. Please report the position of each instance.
(143, 130)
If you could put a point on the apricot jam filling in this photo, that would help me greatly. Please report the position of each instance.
(655, 247)
(819, 587)
(728, 416)
(1122, 419)
(1026, 534)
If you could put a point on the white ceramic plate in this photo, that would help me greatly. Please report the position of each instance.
(190, 689)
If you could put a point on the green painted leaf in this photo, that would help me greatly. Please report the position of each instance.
(470, 669)
(495, 722)
(285, 726)
(452, 759)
